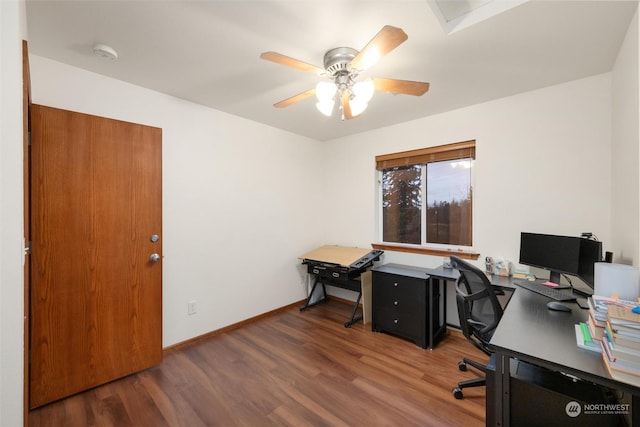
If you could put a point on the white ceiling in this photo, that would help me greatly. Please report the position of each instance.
(208, 52)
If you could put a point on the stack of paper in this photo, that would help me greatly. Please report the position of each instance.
(621, 343)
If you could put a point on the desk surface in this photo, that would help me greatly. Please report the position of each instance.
(340, 255)
(531, 332)
(403, 270)
(444, 273)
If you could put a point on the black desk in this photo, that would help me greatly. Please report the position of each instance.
(531, 333)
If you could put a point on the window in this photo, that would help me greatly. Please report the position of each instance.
(426, 196)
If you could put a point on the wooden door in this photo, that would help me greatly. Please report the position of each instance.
(96, 296)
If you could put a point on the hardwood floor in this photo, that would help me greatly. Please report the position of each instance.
(290, 369)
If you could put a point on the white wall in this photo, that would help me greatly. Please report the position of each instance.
(625, 178)
(542, 165)
(235, 205)
(12, 32)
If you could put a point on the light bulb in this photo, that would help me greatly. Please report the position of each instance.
(363, 90)
(325, 91)
(325, 107)
(357, 106)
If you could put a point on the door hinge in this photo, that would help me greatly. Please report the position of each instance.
(29, 138)
(27, 248)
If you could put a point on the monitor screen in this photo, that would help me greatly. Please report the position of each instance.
(590, 253)
(561, 255)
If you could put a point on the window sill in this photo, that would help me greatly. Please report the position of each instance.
(396, 247)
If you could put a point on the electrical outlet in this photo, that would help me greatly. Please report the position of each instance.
(191, 308)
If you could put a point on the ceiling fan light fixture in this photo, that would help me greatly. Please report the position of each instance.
(325, 91)
(343, 65)
(357, 106)
(364, 90)
(325, 107)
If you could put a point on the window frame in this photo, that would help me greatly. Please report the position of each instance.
(454, 151)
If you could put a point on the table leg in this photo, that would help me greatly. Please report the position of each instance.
(308, 302)
(353, 318)
(430, 290)
(500, 397)
(442, 303)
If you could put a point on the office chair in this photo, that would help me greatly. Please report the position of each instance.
(479, 312)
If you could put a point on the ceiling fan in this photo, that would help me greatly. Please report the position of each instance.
(342, 65)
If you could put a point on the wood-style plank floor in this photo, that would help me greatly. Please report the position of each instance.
(289, 369)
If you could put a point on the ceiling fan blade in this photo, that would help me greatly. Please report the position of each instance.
(387, 39)
(405, 87)
(281, 59)
(295, 98)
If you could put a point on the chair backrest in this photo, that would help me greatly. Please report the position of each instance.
(479, 310)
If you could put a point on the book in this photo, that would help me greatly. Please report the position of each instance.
(619, 349)
(625, 366)
(623, 317)
(626, 341)
(524, 275)
(620, 375)
(616, 333)
(599, 307)
(625, 333)
(619, 352)
(585, 340)
(601, 304)
(596, 328)
(623, 328)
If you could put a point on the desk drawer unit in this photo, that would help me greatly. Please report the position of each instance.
(400, 302)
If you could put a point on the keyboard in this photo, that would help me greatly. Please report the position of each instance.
(539, 288)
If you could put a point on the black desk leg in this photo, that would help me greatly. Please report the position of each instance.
(354, 319)
(308, 304)
(500, 398)
(442, 303)
(430, 290)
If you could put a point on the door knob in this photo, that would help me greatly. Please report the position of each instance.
(154, 258)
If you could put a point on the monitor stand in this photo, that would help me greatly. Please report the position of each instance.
(556, 277)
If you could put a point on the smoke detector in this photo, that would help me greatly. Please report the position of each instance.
(104, 51)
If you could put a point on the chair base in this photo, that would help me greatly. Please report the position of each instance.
(475, 382)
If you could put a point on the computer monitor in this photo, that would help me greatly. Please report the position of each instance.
(561, 255)
(590, 253)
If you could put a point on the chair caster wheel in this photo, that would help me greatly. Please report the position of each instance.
(457, 393)
(462, 366)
